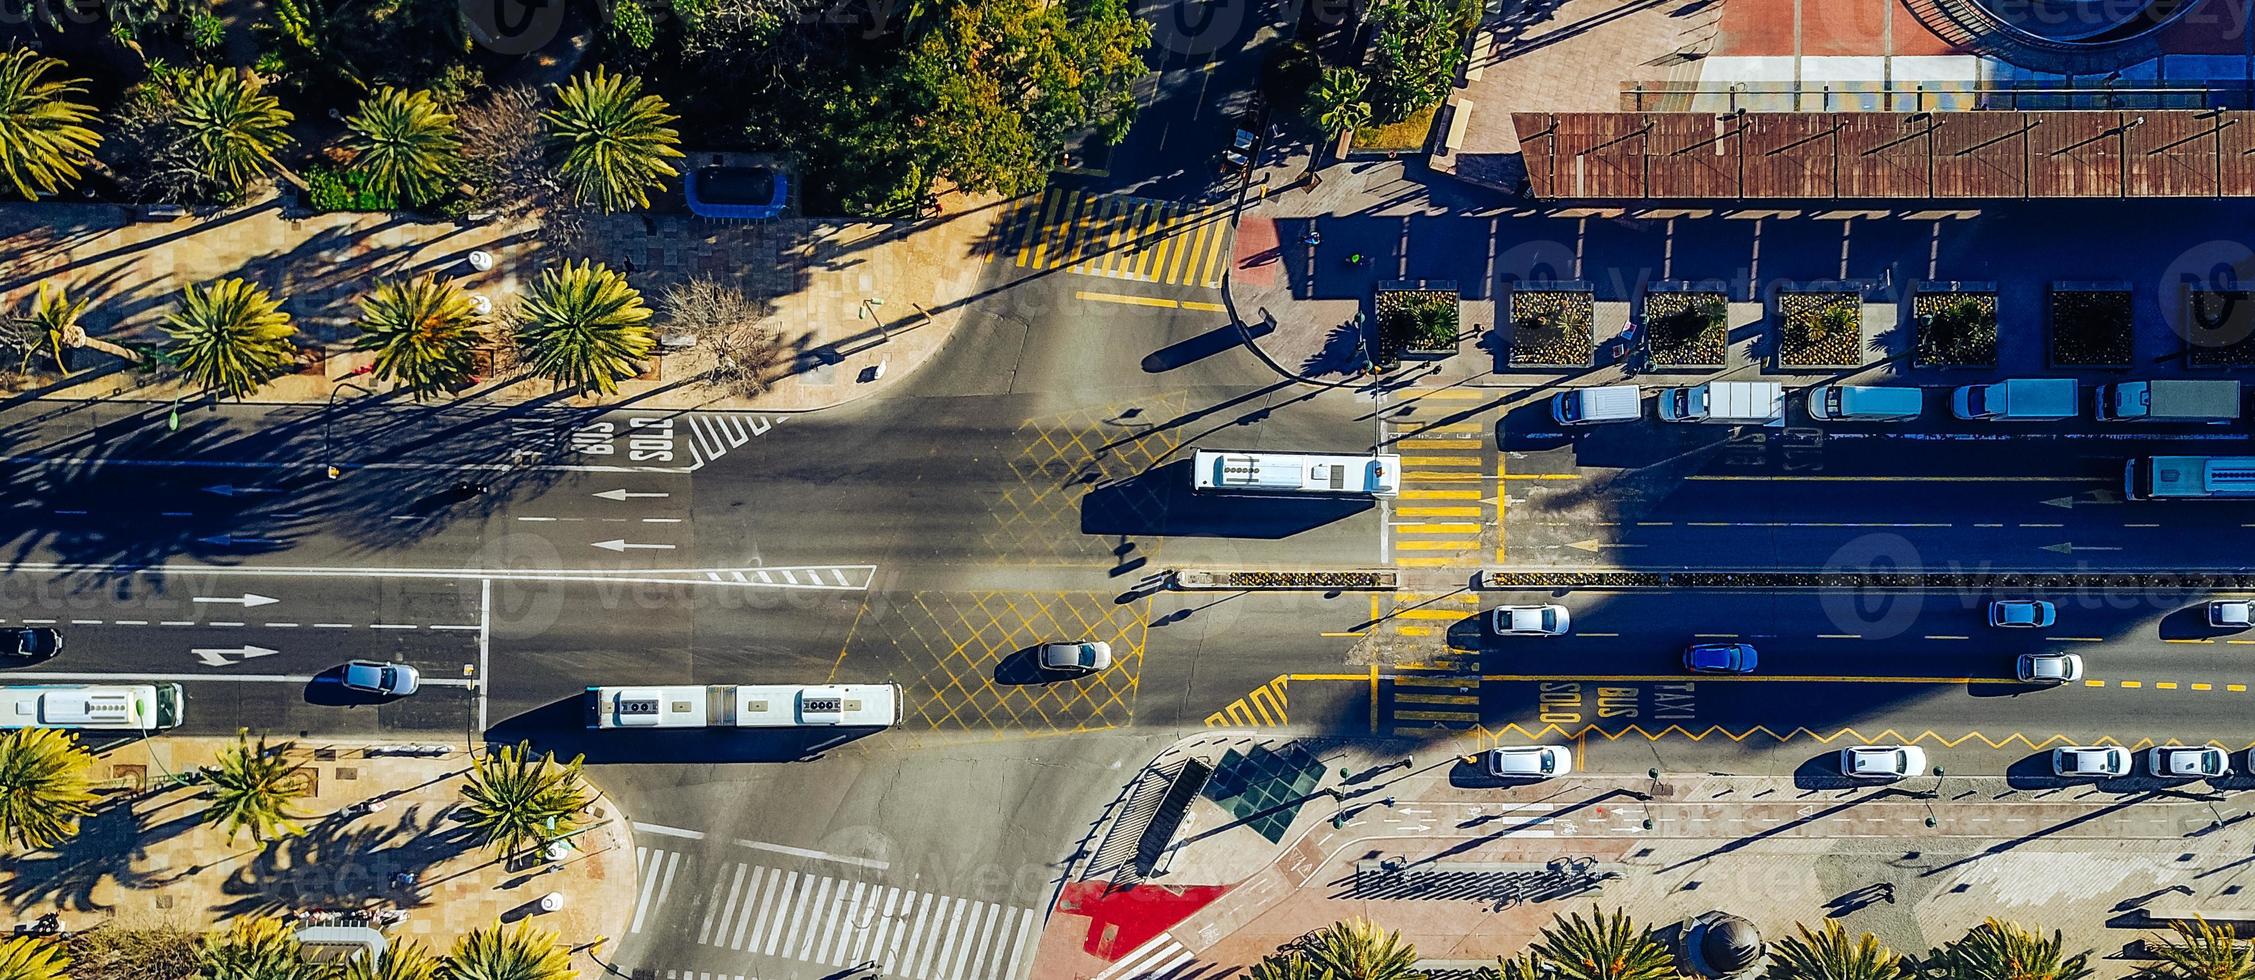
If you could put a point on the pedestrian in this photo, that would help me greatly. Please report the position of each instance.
(1313, 238)
(1887, 891)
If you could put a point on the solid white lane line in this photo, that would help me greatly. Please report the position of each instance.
(665, 831)
(813, 855)
(485, 644)
(465, 629)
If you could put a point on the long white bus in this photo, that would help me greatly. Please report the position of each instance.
(103, 707)
(744, 706)
(1232, 471)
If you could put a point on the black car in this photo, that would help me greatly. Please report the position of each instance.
(34, 643)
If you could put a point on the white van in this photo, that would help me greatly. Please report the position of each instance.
(1594, 406)
(1860, 403)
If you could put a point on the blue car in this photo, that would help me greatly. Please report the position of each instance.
(1720, 658)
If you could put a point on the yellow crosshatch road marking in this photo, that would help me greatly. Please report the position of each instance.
(1409, 444)
(1451, 545)
(1120, 237)
(1262, 708)
(1430, 528)
(1473, 460)
(1440, 494)
(1438, 511)
(965, 667)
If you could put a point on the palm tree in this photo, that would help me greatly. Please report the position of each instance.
(404, 959)
(43, 789)
(1284, 966)
(29, 958)
(1359, 949)
(2202, 950)
(1996, 950)
(584, 326)
(614, 140)
(44, 139)
(514, 800)
(406, 144)
(425, 333)
(1526, 966)
(1831, 955)
(254, 786)
(230, 336)
(55, 315)
(1603, 947)
(232, 128)
(254, 949)
(1338, 103)
(518, 952)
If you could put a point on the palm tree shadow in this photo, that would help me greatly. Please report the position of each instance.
(346, 860)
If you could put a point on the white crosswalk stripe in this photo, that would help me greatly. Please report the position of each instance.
(713, 434)
(1160, 959)
(754, 910)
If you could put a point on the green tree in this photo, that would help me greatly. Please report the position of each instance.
(254, 787)
(1603, 947)
(1998, 950)
(425, 333)
(999, 85)
(230, 127)
(584, 327)
(256, 948)
(514, 800)
(43, 790)
(404, 959)
(518, 952)
(2202, 950)
(1417, 53)
(55, 315)
(1359, 949)
(616, 143)
(44, 139)
(229, 336)
(1526, 966)
(1337, 101)
(1832, 955)
(32, 958)
(405, 143)
(1284, 966)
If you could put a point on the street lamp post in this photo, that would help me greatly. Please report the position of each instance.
(328, 415)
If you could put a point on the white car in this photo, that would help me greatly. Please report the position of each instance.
(1085, 657)
(2188, 762)
(1529, 761)
(2231, 614)
(1882, 761)
(2024, 613)
(1529, 621)
(2090, 761)
(2050, 668)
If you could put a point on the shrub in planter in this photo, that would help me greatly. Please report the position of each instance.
(1551, 329)
(2090, 328)
(2220, 328)
(1689, 329)
(337, 189)
(1820, 329)
(1418, 321)
(1955, 329)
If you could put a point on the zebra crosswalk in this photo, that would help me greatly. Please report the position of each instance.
(765, 918)
(1160, 959)
(1120, 237)
(713, 434)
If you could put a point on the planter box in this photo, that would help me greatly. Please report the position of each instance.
(1404, 311)
(1820, 328)
(2219, 328)
(1552, 327)
(1686, 329)
(2091, 325)
(1954, 325)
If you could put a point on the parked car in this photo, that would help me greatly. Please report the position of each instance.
(389, 680)
(1529, 621)
(2090, 761)
(2050, 668)
(36, 643)
(1882, 761)
(2188, 762)
(1085, 657)
(2029, 613)
(2231, 614)
(1720, 658)
(1529, 761)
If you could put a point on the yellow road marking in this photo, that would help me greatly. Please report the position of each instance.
(1902, 479)
(1449, 614)
(2133, 683)
(2094, 683)
(1164, 304)
(1404, 698)
(1414, 630)
(2240, 642)
(2236, 688)
(1440, 461)
(1047, 228)
(2166, 685)
(1348, 633)
(1204, 307)
(1453, 544)
(1444, 477)
(2204, 687)
(1539, 476)
(1471, 444)
(1424, 562)
(1600, 634)
(1373, 696)
(2188, 641)
(1427, 527)
(1744, 679)
(1438, 511)
(1440, 495)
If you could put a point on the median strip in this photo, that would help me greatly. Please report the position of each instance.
(1499, 579)
(1200, 579)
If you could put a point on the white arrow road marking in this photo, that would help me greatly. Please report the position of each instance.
(229, 490)
(217, 656)
(248, 600)
(1593, 545)
(623, 494)
(620, 544)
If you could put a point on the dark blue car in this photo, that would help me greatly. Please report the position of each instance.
(1720, 658)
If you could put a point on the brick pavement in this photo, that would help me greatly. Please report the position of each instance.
(147, 855)
(813, 277)
(1463, 866)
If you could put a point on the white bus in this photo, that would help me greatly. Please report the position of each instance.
(744, 706)
(2189, 478)
(106, 707)
(1230, 471)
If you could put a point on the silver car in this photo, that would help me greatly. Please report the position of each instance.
(2090, 761)
(390, 680)
(1882, 762)
(2188, 762)
(2231, 614)
(2050, 668)
(1085, 657)
(1529, 761)
(1530, 621)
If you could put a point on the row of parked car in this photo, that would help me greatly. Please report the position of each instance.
(1886, 763)
(2179, 400)
(1553, 620)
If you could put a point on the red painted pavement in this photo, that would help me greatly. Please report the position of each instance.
(1256, 260)
(1129, 917)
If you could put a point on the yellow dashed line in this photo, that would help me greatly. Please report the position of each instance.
(2094, 683)
(2133, 683)
(2166, 685)
(2203, 687)
(2236, 688)
(2188, 641)
(1203, 307)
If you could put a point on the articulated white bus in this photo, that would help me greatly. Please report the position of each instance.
(744, 706)
(1231, 471)
(101, 707)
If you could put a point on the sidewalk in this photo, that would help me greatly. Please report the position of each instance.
(846, 297)
(147, 856)
(1466, 867)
